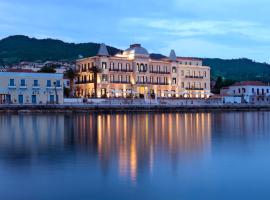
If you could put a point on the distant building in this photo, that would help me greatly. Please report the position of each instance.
(134, 72)
(24, 87)
(249, 91)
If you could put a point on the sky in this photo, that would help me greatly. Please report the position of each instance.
(195, 28)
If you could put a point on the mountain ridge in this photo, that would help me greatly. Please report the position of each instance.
(17, 48)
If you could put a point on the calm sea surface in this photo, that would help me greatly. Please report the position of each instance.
(135, 156)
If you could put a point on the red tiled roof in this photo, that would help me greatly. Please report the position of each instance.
(250, 83)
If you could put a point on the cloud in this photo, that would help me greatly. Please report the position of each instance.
(187, 28)
(203, 48)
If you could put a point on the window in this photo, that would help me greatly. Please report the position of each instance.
(174, 80)
(35, 83)
(205, 85)
(23, 82)
(112, 78)
(111, 65)
(120, 65)
(151, 79)
(253, 90)
(120, 78)
(182, 73)
(104, 65)
(204, 73)
(182, 84)
(174, 69)
(104, 77)
(49, 83)
(103, 92)
(142, 67)
(151, 68)
(127, 79)
(11, 82)
(58, 83)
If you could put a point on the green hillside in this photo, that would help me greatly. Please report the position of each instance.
(238, 69)
(18, 48)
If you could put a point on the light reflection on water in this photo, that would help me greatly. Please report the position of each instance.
(129, 149)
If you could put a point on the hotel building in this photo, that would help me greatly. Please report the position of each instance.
(134, 72)
(31, 88)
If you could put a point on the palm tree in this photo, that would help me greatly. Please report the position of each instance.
(95, 70)
(71, 75)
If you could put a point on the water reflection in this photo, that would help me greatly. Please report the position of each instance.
(135, 140)
(174, 152)
(131, 142)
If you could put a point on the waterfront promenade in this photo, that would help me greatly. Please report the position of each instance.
(135, 105)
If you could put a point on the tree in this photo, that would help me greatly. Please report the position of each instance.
(47, 70)
(95, 70)
(71, 75)
(220, 83)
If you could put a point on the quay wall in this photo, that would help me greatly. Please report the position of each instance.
(98, 108)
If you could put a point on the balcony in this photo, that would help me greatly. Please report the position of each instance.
(121, 82)
(194, 88)
(159, 72)
(151, 83)
(36, 87)
(142, 71)
(85, 82)
(120, 70)
(49, 87)
(12, 86)
(23, 87)
(195, 77)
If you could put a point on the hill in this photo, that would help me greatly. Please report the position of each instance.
(18, 48)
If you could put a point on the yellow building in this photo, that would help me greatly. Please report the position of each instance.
(134, 73)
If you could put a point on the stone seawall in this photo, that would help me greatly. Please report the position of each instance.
(127, 108)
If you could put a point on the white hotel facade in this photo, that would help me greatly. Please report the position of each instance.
(135, 72)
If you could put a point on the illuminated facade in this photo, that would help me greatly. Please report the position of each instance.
(134, 73)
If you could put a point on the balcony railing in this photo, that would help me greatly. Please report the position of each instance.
(198, 77)
(151, 83)
(120, 82)
(120, 70)
(12, 86)
(23, 86)
(85, 82)
(144, 70)
(36, 86)
(194, 88)
(159, 72)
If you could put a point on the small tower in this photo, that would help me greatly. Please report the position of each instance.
(172, 55)
(103, 51)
